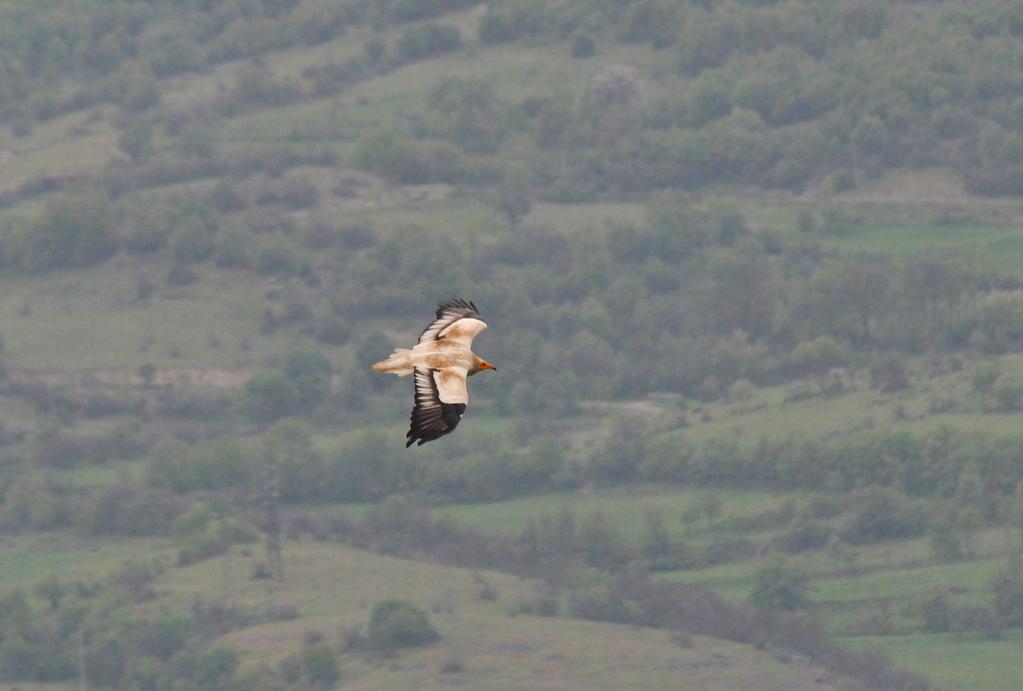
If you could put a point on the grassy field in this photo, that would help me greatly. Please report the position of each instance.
(25, 559)
(626, 508)
(800, 408)
(962, 662)
(332, 587)
(211, 324)
(1001, 245)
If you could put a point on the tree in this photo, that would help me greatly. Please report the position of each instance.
(72, 230)
(744, 291)
(469, 113)
(370, 348)
(985, 375)
(778, 585)
(193, 236)
(269, 396)
(869, 136)
(309, 371)
(881, 514)
(848, 299)
(1006, 585)
(513, 196)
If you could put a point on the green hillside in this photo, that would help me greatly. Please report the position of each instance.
(752, 277)
(484, 642)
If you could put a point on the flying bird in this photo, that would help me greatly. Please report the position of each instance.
(441, 362)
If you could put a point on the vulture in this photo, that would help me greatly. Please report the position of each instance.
(440, 363)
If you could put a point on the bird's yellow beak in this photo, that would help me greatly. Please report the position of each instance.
(486, 365)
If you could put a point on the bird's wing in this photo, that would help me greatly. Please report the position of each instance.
(457, 320)
(441, 399)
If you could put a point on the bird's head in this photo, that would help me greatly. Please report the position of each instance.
(481, 365)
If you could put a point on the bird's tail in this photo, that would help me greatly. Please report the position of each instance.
(399, 363)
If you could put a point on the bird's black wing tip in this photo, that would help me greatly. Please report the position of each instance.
(423, 430)
(456, 304)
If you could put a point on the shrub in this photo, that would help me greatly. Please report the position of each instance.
(278, 254)
(428, 40)
(819, 355)
(408, 161)
(497, 28)
(148, 227)
(778, 585)
(999, 321)
(125, 510)
(888, 373)
(600, 602)
(985, 375)
(936, 613)
(216, 667)
(804, 534)
(1009, 396)
(233, 247)
(583, 46)
(452, 664)
(294, 192)
(398, 624)
(881, 514)
(320, 665)
(193, 237)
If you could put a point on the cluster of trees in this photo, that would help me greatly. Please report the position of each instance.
(47, 636)
(774, 95)
(90, 222)
(366, 467)
(714, 302)
(96, 632)
(935, 463)
(708, 301)
(705, 301)
(940, 463)
(106, 47)
(778, 93)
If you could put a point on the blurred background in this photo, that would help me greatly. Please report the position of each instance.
(753, 272)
